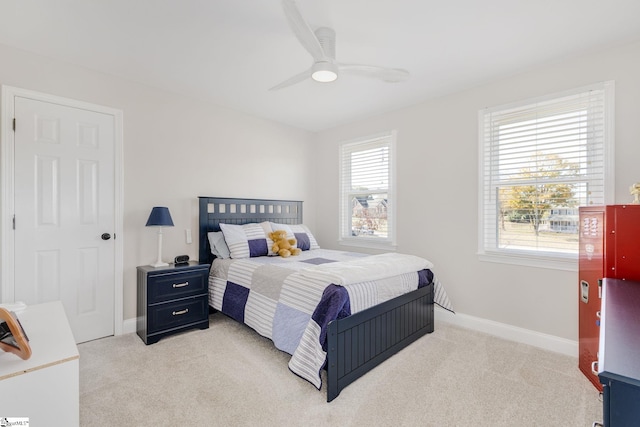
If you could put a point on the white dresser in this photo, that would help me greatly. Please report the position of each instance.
(46, 387)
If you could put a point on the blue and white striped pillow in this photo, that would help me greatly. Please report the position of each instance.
(247, 240)
(300, 232)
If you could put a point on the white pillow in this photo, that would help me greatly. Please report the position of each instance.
(218, 246)
(300, 232)
(247, 240)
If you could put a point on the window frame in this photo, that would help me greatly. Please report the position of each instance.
(345, 238)
(551, 260)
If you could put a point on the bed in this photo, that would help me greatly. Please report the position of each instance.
(346, 345)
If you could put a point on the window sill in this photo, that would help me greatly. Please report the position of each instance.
(369, 244)
(568, 263)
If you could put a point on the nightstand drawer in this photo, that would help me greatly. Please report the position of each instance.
(176, 285)
(177, 313)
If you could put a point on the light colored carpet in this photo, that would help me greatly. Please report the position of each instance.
(228, 375)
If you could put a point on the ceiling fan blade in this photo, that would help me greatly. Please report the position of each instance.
(293, 80)
(391, 75)
(302, 30)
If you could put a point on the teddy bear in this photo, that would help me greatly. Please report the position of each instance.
(283, 246)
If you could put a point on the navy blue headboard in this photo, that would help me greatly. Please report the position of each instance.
(214, 210)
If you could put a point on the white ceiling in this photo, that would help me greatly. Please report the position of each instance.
(231, 52)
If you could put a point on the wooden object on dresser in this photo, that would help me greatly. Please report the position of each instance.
(619, 361)
(46, 387)
(172, 299)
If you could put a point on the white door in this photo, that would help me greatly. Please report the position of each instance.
(65, 213)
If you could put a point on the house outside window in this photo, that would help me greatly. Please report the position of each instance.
(367, 180)
(540, 160)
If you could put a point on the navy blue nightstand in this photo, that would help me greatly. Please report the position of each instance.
(172, 299)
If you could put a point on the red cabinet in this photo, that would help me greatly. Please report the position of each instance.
(609, 247)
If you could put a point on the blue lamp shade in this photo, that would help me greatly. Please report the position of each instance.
(160, 216)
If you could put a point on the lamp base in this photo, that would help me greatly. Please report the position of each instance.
(159, 264)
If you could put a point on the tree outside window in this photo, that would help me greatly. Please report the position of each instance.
(540, 160)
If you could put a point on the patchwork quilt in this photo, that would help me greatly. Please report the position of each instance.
(292, 300)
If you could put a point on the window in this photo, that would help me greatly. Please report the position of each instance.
(367, 191)
(539, 161)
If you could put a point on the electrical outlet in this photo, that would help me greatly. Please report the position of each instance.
(187, 235)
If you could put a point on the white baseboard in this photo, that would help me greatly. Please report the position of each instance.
(509, 332)
(129, 326)
(501, 330)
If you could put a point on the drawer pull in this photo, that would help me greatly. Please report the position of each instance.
(178, 313)
(594, 367)
(180, 285)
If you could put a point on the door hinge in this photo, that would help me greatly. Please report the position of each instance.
(14, 124)
(14, 222)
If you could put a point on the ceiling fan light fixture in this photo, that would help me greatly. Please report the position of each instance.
(324, 71)
(321, 45)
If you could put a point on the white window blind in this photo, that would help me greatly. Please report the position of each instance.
(366, 191)
(539, 161)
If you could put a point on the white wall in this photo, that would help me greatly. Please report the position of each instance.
(437, 181)
(176, 149)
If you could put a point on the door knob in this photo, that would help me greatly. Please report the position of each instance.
(105, 236)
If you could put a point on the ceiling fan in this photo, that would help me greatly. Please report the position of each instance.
(321, 44)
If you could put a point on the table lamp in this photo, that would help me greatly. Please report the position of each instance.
(159, 217)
